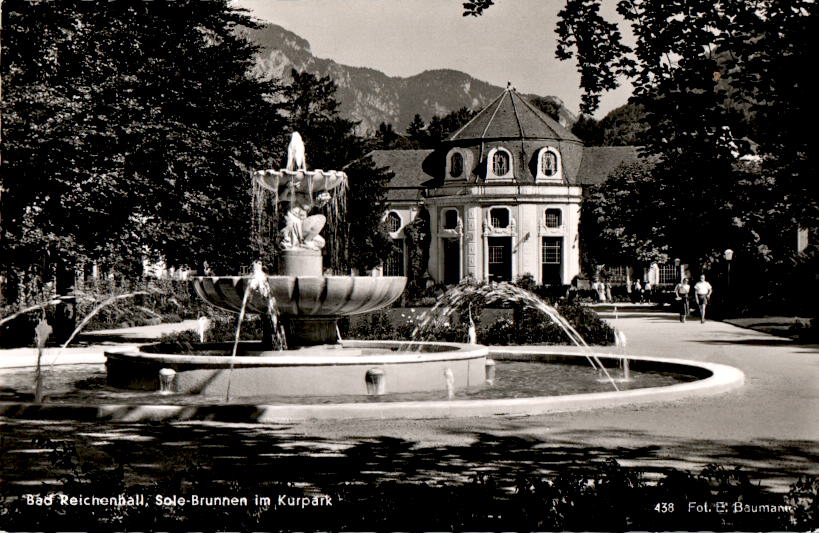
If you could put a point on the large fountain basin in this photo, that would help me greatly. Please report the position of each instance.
(311, 372)
(304, 295)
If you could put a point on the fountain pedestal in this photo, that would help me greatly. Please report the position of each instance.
(300, 262)
(304, 331)
(310, 331)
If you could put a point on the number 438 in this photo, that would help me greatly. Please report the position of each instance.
(664, 507)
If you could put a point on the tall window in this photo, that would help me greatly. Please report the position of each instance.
(496, 255)
(500, 163)
(451, 219)
(394, 265)
(393, 222)
(553, 218)
(456, 165)
(499, 217)
(669, 274)
(548, 163)
(551, 251)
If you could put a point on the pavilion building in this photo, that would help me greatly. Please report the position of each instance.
(503, 195)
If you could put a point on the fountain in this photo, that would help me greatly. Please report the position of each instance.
(304, 305)
(321, 376)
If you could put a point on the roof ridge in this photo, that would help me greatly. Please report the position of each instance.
(517, 117)
(452, 136)
(494, 113)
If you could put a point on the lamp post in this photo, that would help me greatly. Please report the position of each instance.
(728, 255)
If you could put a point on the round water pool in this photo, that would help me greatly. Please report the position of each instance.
(86, 384)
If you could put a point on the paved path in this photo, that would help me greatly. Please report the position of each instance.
(769, 427)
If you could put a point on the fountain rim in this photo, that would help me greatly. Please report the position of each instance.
(451, 351)
(722, 379)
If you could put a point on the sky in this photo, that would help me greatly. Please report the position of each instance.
(514, 41)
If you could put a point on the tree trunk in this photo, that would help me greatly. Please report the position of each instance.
(65, 313)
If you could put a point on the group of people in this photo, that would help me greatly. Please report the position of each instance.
(640, 293)
(702, 295)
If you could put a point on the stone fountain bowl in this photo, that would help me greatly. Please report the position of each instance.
(304, 295)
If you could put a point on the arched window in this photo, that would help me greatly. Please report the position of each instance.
(456, 165)
(548, 163)
(553, 218)
(451, 219)
(500, 163)
(393, 222)
(499, 217)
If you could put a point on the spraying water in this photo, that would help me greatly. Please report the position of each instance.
(91, 315)
(465, 292)
(42, 335)
(42, 332)
(35, 307)
(449, 377)
(620, 342)
(259, 283)
(202, 325)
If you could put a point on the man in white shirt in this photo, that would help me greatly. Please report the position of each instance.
(702, 292)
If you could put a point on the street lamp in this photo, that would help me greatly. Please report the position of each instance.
(728, 255)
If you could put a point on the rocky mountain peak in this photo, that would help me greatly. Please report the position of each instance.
(369, 96)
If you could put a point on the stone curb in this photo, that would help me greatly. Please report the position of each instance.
(721, 379)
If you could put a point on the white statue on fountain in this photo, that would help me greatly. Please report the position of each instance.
(295, 153)
(303, 189)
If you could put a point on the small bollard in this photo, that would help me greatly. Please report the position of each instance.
(490, 372)
(166, 378)
(376, 382)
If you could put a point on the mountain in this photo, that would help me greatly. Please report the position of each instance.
(368, 95)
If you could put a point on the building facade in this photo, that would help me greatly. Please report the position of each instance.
(502, 194)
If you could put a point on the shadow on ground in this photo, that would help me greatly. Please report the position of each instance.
(387, 476)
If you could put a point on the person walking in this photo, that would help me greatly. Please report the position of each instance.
(681, 290)
(702, 292)
(600, 288)
(637, 292)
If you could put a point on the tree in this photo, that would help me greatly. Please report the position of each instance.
(126, 134)
(623, 126)
(386, 138)
(439, 127)
(365, 243)
(710, 77)
(419, 235)
(311, 108)
(588, 130)
(549, 106)
(416, 131)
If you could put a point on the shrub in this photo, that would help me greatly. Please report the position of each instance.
(531, 328)
(593, 496)
(167, 300)
(222, 329)
(805, 331)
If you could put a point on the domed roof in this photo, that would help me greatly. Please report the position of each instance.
(511, 116)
